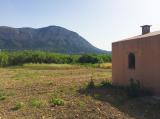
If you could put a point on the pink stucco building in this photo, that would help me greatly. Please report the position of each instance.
(138, 58)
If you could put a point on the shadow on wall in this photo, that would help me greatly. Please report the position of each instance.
(137, 106)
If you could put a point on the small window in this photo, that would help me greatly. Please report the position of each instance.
(131, 61)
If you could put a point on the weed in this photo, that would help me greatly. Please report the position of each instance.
(91, 83)
(81, 104)
(106, 83)
(56, 101)
(97, 96)
(50, 83)
(2, 95)
(11, 93)
(18, 106)
(36, 103)
(119, 100)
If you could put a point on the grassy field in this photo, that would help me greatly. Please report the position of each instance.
(41, 91)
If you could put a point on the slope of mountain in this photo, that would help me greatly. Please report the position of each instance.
(51, 38)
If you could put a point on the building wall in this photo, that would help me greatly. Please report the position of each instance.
(147, 67)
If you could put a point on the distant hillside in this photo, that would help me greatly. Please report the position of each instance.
(52, 38)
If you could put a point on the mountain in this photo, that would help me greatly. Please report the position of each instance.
(51, 38)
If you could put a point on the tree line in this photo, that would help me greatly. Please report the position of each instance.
(22, 57)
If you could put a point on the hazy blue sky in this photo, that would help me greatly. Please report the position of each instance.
(101, 22)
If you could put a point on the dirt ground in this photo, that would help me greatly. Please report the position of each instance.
(25, 93)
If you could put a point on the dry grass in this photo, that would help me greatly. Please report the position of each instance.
(105, 65)
(28, 91)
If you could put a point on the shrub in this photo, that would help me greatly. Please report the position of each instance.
(135, 89)
(3, 59)
(88, 59)
(22, 57)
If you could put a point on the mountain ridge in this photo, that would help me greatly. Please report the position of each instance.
(50, 38)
